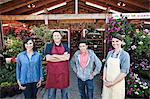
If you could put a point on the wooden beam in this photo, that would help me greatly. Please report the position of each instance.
(89, 8)
(104, 5)
(138, 4)
(14, 5)
(77, 21)
(70, 5)
(39, 4)
(112, 4)
(52, 17)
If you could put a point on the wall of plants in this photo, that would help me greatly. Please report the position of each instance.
(13, 36)
(137, 43)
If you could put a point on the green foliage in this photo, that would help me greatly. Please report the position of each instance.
(142, 41)
(42, 32)
(128, 41)
(8, 74)
(13, 46)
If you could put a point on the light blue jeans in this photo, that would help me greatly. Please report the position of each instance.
(52, 93)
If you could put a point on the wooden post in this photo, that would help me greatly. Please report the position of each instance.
(1, 37)
(46, 16)
(76, 6)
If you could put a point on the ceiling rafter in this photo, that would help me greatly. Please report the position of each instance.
(38, 5)
(103, 5)
(89, 8)
(70, 5)
(14, 5)
(47, 6)
(111, 4)
(138, 4)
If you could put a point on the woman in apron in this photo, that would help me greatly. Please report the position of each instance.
(115, 70)
(57, 55)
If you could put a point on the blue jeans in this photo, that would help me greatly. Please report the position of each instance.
(30, 91)
(52, 93)
(86, 88)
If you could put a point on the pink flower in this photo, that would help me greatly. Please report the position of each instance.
(131, 89)
(128, 82)
(129, 92)
(134, 82)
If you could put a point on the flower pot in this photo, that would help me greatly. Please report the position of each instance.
(9, 91)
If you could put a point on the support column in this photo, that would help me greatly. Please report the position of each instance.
(76, 6)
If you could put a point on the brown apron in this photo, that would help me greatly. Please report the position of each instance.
(57, 72)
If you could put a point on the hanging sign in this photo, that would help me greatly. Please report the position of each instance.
(145, 15)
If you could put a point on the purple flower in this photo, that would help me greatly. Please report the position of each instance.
(113, 24)
(117, 29)
(110, 49)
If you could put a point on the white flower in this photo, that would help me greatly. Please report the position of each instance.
(123, 43)
(136, 80)
(146, 30)
(140, 82)
(142, 86)
(135, 75)
(133, 47)
(146, 87)
(143, 36)
(136, 92)
(144, 83)
(140, 42)
(123, 36)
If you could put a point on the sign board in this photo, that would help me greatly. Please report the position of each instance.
(145, 15)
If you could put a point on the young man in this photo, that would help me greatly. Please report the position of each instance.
(57, 55)
(86, 65)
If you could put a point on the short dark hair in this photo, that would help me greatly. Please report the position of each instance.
(56, 31)
(25, 40)
(118, 36)
(83, 40)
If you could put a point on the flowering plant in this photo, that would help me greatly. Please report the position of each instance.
(13, 36)
(136, 86)
(137, 44)
(17, 31)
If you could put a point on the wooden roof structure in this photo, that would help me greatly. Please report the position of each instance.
(27, 7)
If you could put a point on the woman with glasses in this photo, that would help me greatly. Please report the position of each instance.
(29, 69)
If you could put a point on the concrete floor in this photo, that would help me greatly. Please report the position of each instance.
(73, 90)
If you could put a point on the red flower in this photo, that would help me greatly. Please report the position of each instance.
(13, 60)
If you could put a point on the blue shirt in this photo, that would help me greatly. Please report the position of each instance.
(29, 70)
(124, 60)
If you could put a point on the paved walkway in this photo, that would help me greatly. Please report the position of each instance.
(73, 89)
